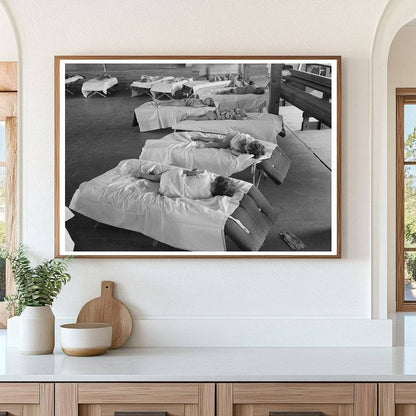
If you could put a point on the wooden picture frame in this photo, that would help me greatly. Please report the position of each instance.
(83, 127)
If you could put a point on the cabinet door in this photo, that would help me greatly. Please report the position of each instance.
(145, 399)
(26, 399)
(296, 399)
(397, 399)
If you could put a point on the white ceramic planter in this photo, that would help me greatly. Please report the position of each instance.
(37, 330)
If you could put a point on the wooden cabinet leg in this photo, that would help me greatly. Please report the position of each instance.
(224, 399)
(386, 399)
(207, 399)
(66, 399)
(365, 399)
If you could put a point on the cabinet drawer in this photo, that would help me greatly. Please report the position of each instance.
(138, 393)
(21, 399)
(296, 399)
(251, 393)
(19, 393)
(147, 399)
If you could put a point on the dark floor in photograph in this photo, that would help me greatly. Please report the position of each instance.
(99, 134)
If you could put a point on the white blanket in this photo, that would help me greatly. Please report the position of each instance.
(146, 85)
(73, 79)
(119, 199)
(95, 84)
(201, 85)
(179, 149)
(169, 86)
(261, 126)
(153, 117)
(209, 90)
(69, 242)
(251, 103)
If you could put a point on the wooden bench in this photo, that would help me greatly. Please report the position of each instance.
(299, 88)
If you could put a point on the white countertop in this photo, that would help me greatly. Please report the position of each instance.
(214, 364)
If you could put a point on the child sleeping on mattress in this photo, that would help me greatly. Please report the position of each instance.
(216, 114)
(191, 184)
(147, 78)
(246, 89)
(237, 142)
(186, 102)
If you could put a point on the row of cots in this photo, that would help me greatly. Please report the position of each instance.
(246, 218)
(151, 85)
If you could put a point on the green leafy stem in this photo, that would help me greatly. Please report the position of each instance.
(35, 286)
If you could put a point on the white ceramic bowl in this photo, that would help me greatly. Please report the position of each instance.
(83, 340)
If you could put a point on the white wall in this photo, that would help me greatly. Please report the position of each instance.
(179, 302)
(8, 47)
(401, 74)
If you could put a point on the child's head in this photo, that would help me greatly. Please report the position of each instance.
(209, 102)
(222, 186)
(255, 148)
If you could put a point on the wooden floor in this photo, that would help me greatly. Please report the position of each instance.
(99, 134)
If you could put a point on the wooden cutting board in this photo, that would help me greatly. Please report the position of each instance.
(107, 309)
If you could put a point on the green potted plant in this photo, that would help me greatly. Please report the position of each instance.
(36, 289)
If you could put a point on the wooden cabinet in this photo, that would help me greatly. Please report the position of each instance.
(299, 399)
(397, 399)
(27, 399)
(208, 399)
(154, 399)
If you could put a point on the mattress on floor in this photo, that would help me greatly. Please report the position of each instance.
(261, 126)
(98, 85)
(169, 86)
(182, 149)
(119, 199)
(153, 117)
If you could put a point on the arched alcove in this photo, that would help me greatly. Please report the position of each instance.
(396, 14)
(401, 73)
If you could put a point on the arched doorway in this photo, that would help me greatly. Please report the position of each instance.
(396, 14)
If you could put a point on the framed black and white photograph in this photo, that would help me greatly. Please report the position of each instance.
(198, 156)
